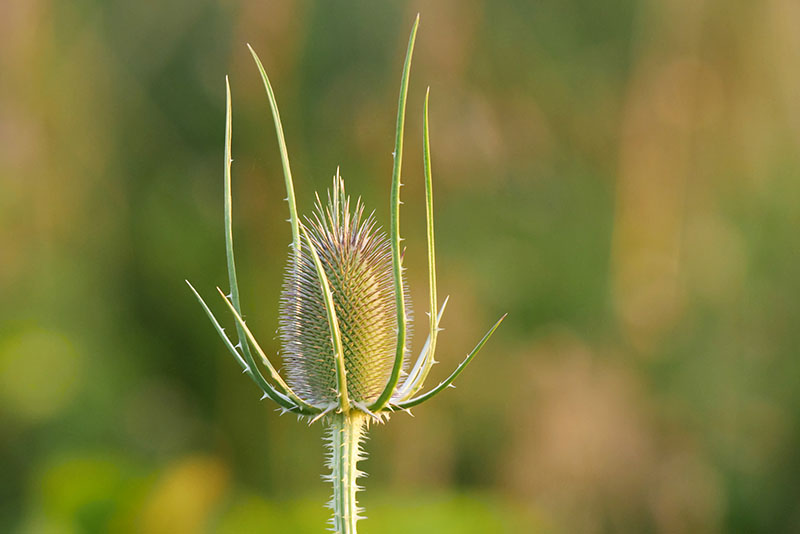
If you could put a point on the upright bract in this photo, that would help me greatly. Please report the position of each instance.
(344, 313)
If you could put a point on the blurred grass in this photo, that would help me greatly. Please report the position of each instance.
(622, 178)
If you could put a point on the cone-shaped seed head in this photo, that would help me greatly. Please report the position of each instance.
(357, 260)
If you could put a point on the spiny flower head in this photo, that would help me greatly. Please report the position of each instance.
(357, 260)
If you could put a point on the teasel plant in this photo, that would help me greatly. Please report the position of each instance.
(345, 313)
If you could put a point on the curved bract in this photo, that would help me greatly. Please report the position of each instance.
(344, 309)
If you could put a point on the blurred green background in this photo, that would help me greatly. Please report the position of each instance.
(620, 176)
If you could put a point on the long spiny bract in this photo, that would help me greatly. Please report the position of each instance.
(287, 170)
(401, 344)
(288, 392)
(343, 398)
(283, 401)
(426, 360)
(450, 379)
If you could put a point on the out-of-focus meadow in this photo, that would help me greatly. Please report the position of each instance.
(620, 177)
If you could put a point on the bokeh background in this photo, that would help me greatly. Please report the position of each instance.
(621, 177)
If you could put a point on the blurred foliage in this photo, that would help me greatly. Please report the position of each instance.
(621, 177)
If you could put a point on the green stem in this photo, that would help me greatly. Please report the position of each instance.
(345, 435)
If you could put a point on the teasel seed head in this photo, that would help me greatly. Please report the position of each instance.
(356, 256)
(345, 310)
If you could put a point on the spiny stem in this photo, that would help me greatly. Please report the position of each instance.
(345, 435)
